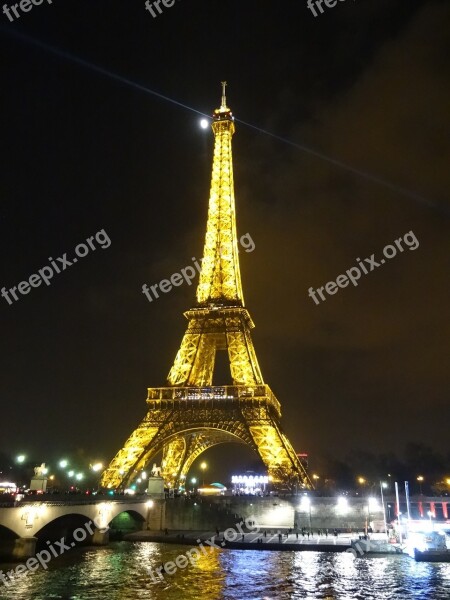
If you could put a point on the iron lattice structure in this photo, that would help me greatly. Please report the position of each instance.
(191, 415)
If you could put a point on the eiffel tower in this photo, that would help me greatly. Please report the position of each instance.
(191, 415)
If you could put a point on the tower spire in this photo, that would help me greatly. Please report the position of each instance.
(224, 96)
(220, 277)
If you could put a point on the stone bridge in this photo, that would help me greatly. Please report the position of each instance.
(23, 523)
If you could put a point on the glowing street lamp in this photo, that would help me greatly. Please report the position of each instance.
(97, 467)
(203, 467)
(21, 459)
(305, 505)
(372, 506)
(342, 507)
(384, 485)
(420, 479)
(79, 476)
(361, 480)
(204, 123)
(63, 463)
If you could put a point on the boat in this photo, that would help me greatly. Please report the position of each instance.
(368, 547)
(428, 547)
(432, 555)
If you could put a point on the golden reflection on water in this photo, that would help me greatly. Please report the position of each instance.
(121, 572)
(208, 575)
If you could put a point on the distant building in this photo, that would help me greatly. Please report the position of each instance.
(254, 485)
(215, 489)
(303, 457)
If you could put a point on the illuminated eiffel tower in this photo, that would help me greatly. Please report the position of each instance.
(191, 415)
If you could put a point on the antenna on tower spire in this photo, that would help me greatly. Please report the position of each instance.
(224, 95)
(223, 113)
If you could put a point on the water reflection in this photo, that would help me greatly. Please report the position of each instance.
(121, 572)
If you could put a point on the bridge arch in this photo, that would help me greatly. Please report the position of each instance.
(64, 526)
(7, 534)
(183, 446)
(126, 521)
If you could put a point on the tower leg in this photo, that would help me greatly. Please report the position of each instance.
(127, 459)
(280, 458)
(172, 462)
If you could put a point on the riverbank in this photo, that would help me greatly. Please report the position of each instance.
(247, 541)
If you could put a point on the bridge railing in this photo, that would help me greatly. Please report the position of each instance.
(75, 500)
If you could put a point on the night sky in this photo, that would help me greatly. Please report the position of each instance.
(365, 84)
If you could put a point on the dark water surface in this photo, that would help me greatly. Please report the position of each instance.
(119, 572)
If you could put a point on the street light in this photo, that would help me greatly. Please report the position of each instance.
(305, 505)
(63, 463)
(21, 458)
(384, 485)
(361, 480)
(372, 506)
(203, 467)
(420, 479)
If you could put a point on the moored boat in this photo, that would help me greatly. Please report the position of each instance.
(432, 555)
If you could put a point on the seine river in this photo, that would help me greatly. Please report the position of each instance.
(118, 572)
